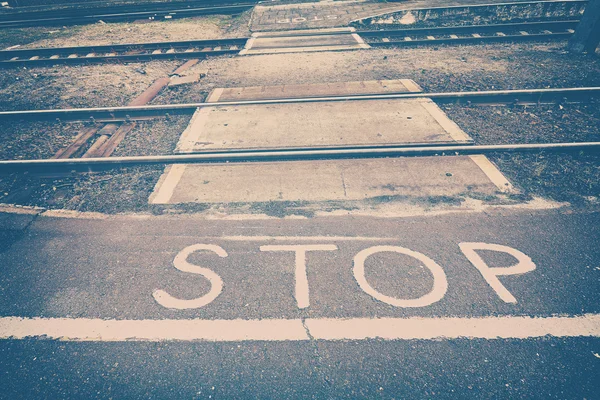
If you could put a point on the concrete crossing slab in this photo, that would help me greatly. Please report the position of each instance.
(294, 41)
(303, 41)
(330, 124)
(322, 124)
(324, 180)
(355, 88)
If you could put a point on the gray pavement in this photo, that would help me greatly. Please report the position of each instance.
(497, 304)
(110, 268)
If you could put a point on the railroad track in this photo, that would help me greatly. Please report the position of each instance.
(130, 113)
(120, 53)
(120, 13)
(49, 166)
(203, 48)
(116, 114)
(525, 31)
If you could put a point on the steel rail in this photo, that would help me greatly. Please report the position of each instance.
(474, 40)
(166, 50)
(446, 30)
(528, 31)
(102, 7)
(130, 52)
(120, 58)
(486, 5)
(520, 96)
(49, 51)
(125, 16)
(96, 164)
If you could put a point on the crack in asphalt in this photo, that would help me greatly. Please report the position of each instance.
(317, 353)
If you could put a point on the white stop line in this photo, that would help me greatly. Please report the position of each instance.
(99, 330)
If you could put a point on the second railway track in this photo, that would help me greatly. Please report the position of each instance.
(121, 52)
(128, 113)
(471, 34)
(120, 13)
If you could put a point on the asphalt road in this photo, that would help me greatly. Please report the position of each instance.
(112, 269)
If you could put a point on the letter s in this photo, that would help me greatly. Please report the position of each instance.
(180, 262)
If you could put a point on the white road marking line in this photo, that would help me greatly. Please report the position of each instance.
(455, 132)
(215, 95)
(307, 49)
(493, 173)
(165, 189)
(99, 330)
(411, 85)
(247, 46)
(83, 329)
(307, 238)
(189, 137)
(452, 328)
(360, 41)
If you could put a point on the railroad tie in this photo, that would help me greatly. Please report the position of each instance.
(112, 134)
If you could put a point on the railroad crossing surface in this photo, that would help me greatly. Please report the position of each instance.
(387, 288)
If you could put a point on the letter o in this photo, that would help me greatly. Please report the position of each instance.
(440, 284)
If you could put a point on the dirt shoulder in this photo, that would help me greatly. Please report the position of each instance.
(142, 31)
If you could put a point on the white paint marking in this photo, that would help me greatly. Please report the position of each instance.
(446, 123)
(452, 328)
(83, 329)
(297, 238)
(189, 137)
(307, 49)
(215, 95)
(490, 274)
(440, 284)
(360, 41)
(74, 214)
(296, 32)
(100, 330)
(301, 293)
(493, 173)
(216, 283)
(411, 85)
(163, 193)
(247, 46)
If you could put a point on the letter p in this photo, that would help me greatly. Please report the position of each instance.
(490, 274)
